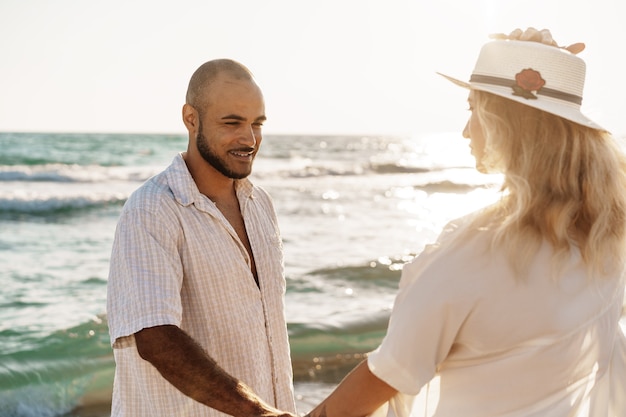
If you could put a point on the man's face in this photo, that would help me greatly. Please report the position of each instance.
(229, 130)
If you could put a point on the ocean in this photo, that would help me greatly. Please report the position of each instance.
(352, 211)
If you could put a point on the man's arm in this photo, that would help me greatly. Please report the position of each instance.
(183, 363)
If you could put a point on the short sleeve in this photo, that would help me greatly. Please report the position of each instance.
(145, 274)
(428, 312)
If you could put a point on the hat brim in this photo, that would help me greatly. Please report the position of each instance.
(546, 104)
(455, 81)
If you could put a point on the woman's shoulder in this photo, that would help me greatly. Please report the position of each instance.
(461, 249)
(467, 226)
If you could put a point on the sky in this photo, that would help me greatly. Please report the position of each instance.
(325, 66)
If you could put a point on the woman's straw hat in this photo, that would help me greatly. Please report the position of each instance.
(543, 76)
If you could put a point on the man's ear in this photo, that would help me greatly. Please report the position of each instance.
(190, 118)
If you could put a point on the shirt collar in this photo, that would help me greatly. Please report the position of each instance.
(186, 191)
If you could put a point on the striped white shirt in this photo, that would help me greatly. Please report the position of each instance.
(177, 260)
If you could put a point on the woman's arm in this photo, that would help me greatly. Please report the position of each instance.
(184, 364)
(359, 394)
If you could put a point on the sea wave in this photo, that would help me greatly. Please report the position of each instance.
(53, 376)
(40, 199)
(334, 336)
(327, 351)
(35, 149)
(44, 204)
(300, 167)
(431, 179)
(382, 272)
(75, 366)
(74, 173)
(397, 168)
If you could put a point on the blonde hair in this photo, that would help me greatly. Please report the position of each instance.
(563, 183)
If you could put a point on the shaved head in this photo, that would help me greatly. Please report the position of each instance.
(208, 72)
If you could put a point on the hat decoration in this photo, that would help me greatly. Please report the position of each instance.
(527, 81)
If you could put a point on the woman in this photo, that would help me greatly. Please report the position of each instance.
(515, 310)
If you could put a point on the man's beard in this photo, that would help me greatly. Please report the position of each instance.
(214, 160)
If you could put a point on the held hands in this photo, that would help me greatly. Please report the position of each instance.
(272, 412)
(542, 36)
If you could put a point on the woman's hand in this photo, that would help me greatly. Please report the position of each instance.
(542, 36)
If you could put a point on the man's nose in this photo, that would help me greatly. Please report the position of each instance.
(248, 137)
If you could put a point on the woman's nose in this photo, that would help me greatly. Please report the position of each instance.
(466, 133)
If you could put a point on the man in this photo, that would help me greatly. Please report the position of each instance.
(196, 285)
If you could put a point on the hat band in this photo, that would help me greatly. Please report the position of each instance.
(503, 82)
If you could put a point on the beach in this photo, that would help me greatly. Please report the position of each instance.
(352, 210)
